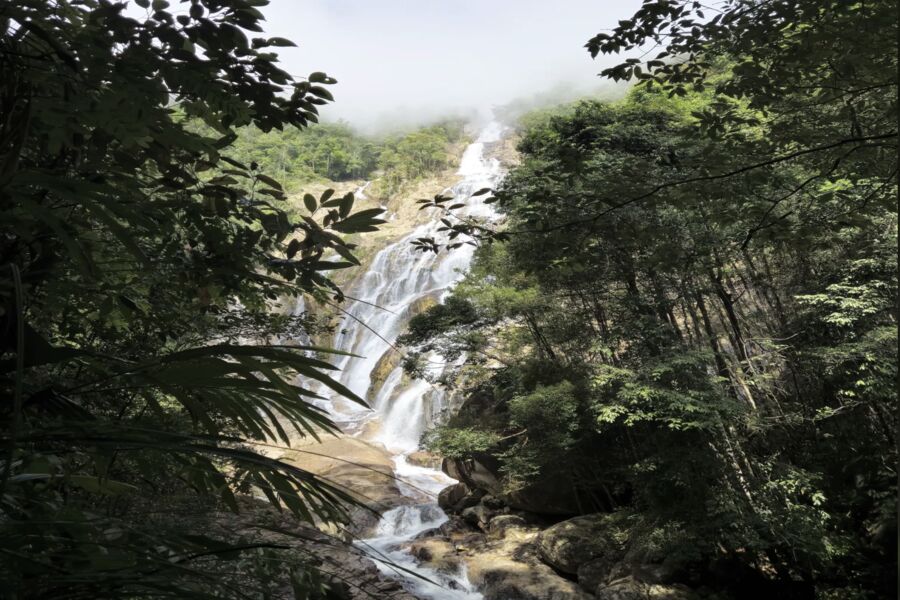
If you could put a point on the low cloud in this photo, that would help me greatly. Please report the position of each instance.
(404, 62)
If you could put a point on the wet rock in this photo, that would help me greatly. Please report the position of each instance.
(338, 561)
(421, 553)
(388, 361)
(437, 553)
(510, 572)
(455, 526)
(507, 568)
(628, 588)
(471, 540)
(428, 533)
(577, 541)
(422, 458)
(477, 474)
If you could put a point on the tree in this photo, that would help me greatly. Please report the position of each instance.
(724, 306)
(135, 254)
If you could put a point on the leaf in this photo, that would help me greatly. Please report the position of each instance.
(346, 254)
(325, 265)
(293, 248)
(321, 92)
(310, 201)
(346, 205)
(234, 163)
(280, 42)
(269, 181)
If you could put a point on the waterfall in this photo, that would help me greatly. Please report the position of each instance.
(398, 279)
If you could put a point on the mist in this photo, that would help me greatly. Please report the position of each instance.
(404, 62)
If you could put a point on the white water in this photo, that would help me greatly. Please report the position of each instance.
(399, 278)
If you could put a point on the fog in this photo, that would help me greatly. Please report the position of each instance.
(410, 61)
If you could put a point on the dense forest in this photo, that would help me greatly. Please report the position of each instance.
(337, 153)
(690, 315)
(684, 319)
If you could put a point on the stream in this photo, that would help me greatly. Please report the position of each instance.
(402, 409)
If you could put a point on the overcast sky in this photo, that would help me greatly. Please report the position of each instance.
(413, 59)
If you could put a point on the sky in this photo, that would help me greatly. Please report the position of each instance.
(409, 61)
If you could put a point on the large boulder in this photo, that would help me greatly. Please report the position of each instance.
(502, 524)
(509, 581)
(478, 516)
(570, 544)
(421, 458)
(508, 569)
(450, 496)
(594, 573)
(628, 588)
(364, 470)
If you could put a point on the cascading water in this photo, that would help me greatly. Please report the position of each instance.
(399, 278)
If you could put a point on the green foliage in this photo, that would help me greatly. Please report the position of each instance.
(713, 262)
(410, 156)
(548, 416)
(453, 312)
(459, 443)
(138, 255)
(676, 391)
(334, 151)
(549, 413)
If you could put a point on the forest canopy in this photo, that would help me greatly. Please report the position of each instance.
(140, 251)
(690, 312)
(336, 152)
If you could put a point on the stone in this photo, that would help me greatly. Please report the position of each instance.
(503, 573)
(593, 573)
(471, 499)
(493, 502)
(388, 361)
(577, 541)
(655, 572)
(422, 553)
(339, 562)
(628, 588)
(439, 554)
(501, 524)
(450, 496)
(455, 527)
(422, 458)
(477, 516)
(365, 469)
